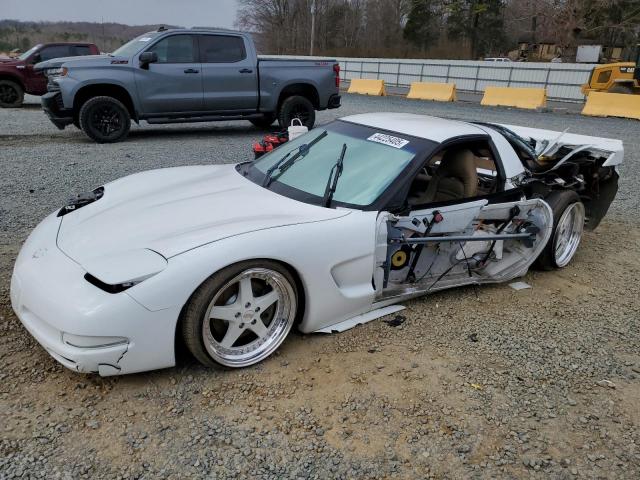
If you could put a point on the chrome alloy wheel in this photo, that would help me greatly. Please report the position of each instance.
(568, 233)
(249, 317)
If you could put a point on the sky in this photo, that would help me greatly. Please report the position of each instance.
(187, 13)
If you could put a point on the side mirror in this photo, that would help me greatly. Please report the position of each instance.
(146, 58)
(36, 59)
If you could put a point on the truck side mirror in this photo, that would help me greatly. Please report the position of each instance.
(36, 59)
(146, 58)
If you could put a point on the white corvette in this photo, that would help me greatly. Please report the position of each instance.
(328, 231)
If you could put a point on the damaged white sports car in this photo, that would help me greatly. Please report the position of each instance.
(328, 231)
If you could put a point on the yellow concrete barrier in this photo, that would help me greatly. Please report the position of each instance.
(603, 104)
(367, 86)
(515, 97)
(439, 92)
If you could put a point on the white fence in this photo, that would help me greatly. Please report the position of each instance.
(562, 80)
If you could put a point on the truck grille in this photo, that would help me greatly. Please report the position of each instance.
(52, 87)
(59, 102)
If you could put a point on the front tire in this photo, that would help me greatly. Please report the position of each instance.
(105, 119)
(11, 94)
(240, 315)
(296, 107)
(568, 226)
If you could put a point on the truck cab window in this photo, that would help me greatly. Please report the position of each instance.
(81, 50)
(222, 49)
(175, 49)
(55, 51)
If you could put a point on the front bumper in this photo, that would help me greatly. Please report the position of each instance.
(54, 108)
(81, 326)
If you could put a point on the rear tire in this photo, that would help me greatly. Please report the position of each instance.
(240, 315)
(105, 119)
(297, 107)
(568, 225)
(11, 94)
(621, 89)
(265, 122)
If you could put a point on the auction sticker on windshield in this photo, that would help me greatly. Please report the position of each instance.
(395, 142)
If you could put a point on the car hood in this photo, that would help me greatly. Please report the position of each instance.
(81, 61)
(10, 62)
(173, 210)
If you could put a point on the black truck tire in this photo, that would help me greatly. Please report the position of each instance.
(299, 107)
(560, 202)
(105, 119)
(11, 94)
(264, 122)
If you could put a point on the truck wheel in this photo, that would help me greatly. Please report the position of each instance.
(265, 122)
(297, 107)
(11, 94)
(621, 89)
(105, 119)
(568, 225)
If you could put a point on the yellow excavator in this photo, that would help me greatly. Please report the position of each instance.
(622, 77)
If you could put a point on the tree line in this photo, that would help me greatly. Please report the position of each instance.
(108, 36)
(435, 28)
(455, 29)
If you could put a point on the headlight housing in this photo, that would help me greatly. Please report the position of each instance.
(56, 72)
(81, 200)
(115, 273)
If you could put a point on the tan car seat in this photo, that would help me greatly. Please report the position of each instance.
(455, 178)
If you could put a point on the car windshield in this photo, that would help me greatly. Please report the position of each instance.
(134, 46)
(373, 160)
(28, 53)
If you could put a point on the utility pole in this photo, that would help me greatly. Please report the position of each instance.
(103, 40)
(313, 25)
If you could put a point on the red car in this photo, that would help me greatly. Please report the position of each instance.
(17, 76)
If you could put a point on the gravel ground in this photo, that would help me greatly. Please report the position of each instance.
(473, 383)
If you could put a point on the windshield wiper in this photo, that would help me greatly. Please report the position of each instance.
(334, 175)
(283, 167)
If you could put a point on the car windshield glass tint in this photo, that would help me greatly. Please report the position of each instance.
(372, 161)
(134, 46)
(28, 53)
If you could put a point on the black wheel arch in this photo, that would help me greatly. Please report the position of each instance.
(15, 79)
(104, 90)
(306, 90)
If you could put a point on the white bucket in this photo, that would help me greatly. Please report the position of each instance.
(296, 130)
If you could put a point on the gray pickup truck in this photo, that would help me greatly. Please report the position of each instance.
(185, 75)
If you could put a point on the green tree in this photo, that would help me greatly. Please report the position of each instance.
(421, 28)
(480, 21)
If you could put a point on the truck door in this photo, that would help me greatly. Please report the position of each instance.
(173, 84)
(471, 242)
(229, 74)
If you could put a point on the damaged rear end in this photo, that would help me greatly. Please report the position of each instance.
(566, 161)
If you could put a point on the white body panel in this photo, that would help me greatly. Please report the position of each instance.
(176, 209)
(422, 126)
(608, 145)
